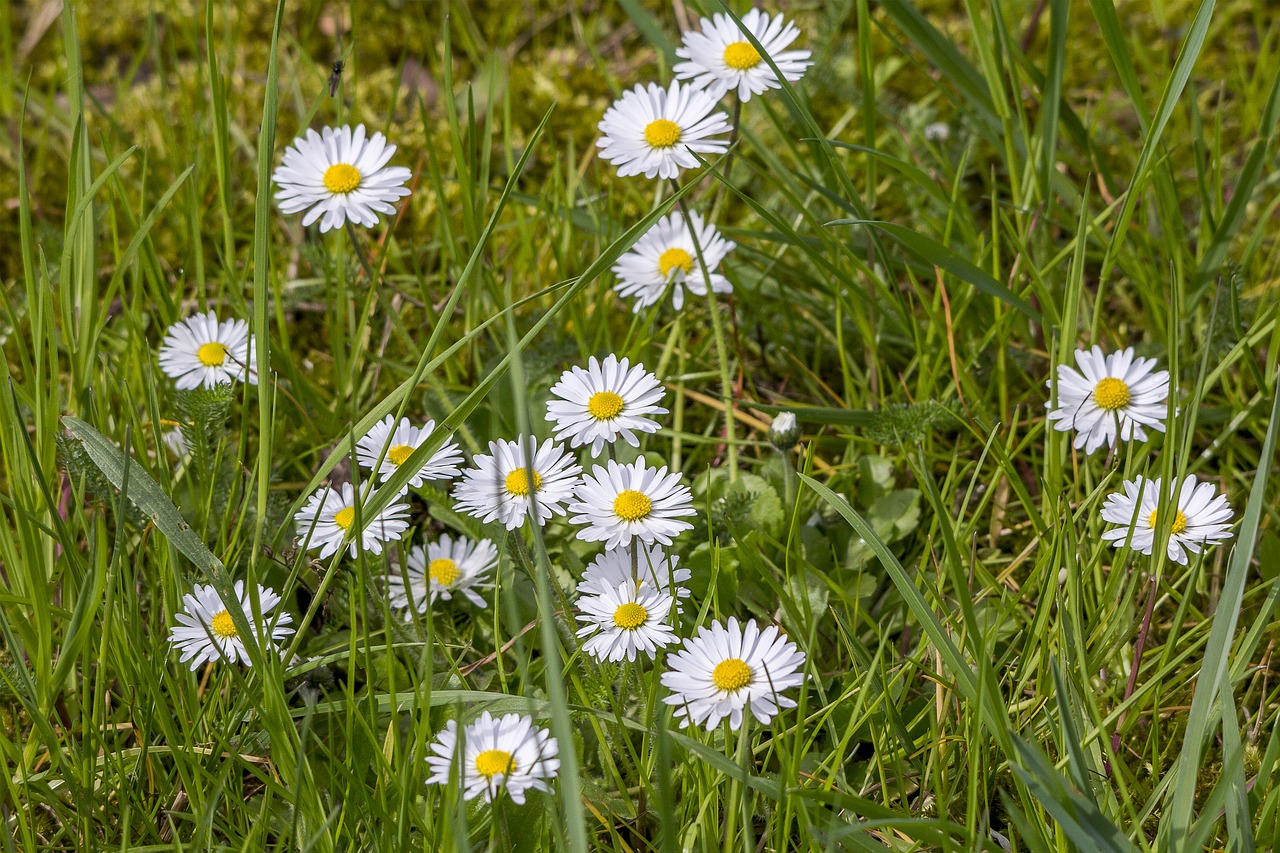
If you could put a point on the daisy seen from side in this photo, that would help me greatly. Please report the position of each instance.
(721, 59)
(505, 753)
(442, 569)
(206, 631)
(1203, 517)
(394, 443)
(1110, 396)
(498, 488)
(655, 132)
(607, 400)
(618, 503)
(624, 621)
(331, 512)
(667, 255)
(338, 175)
(201, 351)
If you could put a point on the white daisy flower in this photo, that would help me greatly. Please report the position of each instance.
(623, 621)
(654, 131)
(1110, 395)
(205, 631)
(340, 175)
(667, 256)
(498, 487)
(619, 503)
(507, 752)
(654, 567)
(330, 513)
(394, 443)
(442, 568)
(201, 351)
(1203, 517)
(720, 58)
(603, 402)
(725, 669)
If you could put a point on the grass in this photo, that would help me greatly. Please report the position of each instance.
(983, 668)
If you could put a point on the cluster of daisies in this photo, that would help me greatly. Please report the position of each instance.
(1117, 397)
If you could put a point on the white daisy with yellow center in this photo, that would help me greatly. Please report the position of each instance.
(623, 621)
(338, 174)
(206, 631)
(330, 517)
(618, 503)
(1110, 396)
(608, 400)
(656, 132)
(1203, 517)
(727, 669)
(495, 754)
(200, 351)
(393, 443)
(651, 565)
(667, 256)
(500, 486)
(721, 58)
(444, 567)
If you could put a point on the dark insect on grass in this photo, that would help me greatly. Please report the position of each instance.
(335, 78)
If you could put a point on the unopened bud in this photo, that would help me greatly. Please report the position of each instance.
(784, 432)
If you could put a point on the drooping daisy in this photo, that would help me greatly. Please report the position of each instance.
(619, 503)
(206, 632)
(1109, 396)
(607, 400)
(330, 513)
(625, 620)
(721, 59)
(725, 669)
(654, 567)
(201, 351)
(667, 256)
(442, 568)
(340, 175)
(654, 131)
(394, 444)
(498, 486)
(507, 752)
(1203, 517)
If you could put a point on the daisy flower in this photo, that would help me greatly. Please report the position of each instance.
(623, 621)
(654, 568)
(201, 351)
(330, 513)
(725, 669)
(507, 752)
(624, 502)
(1109, 396)
(720, 59)
(442, 568)
(498, 486)
(205, 631)
(603, 402)
(1203, 517)
(394, 443)
(340, 175)
(667, 256)
(654, 131)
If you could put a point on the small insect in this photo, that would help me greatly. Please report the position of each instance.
(335, 78)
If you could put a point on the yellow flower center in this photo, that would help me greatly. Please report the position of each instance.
(732, 674)
(604, 405)
(344, 517)
(632, 505)
(400, 453)
(341, 178)
(491, 762)
(1179, 522)
(661, 133)
(673, 259)
(212, 354)
(444, 571)
(518, 483)
(222, 626)
(741, 55)
(630, 616)
(1111, 394)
